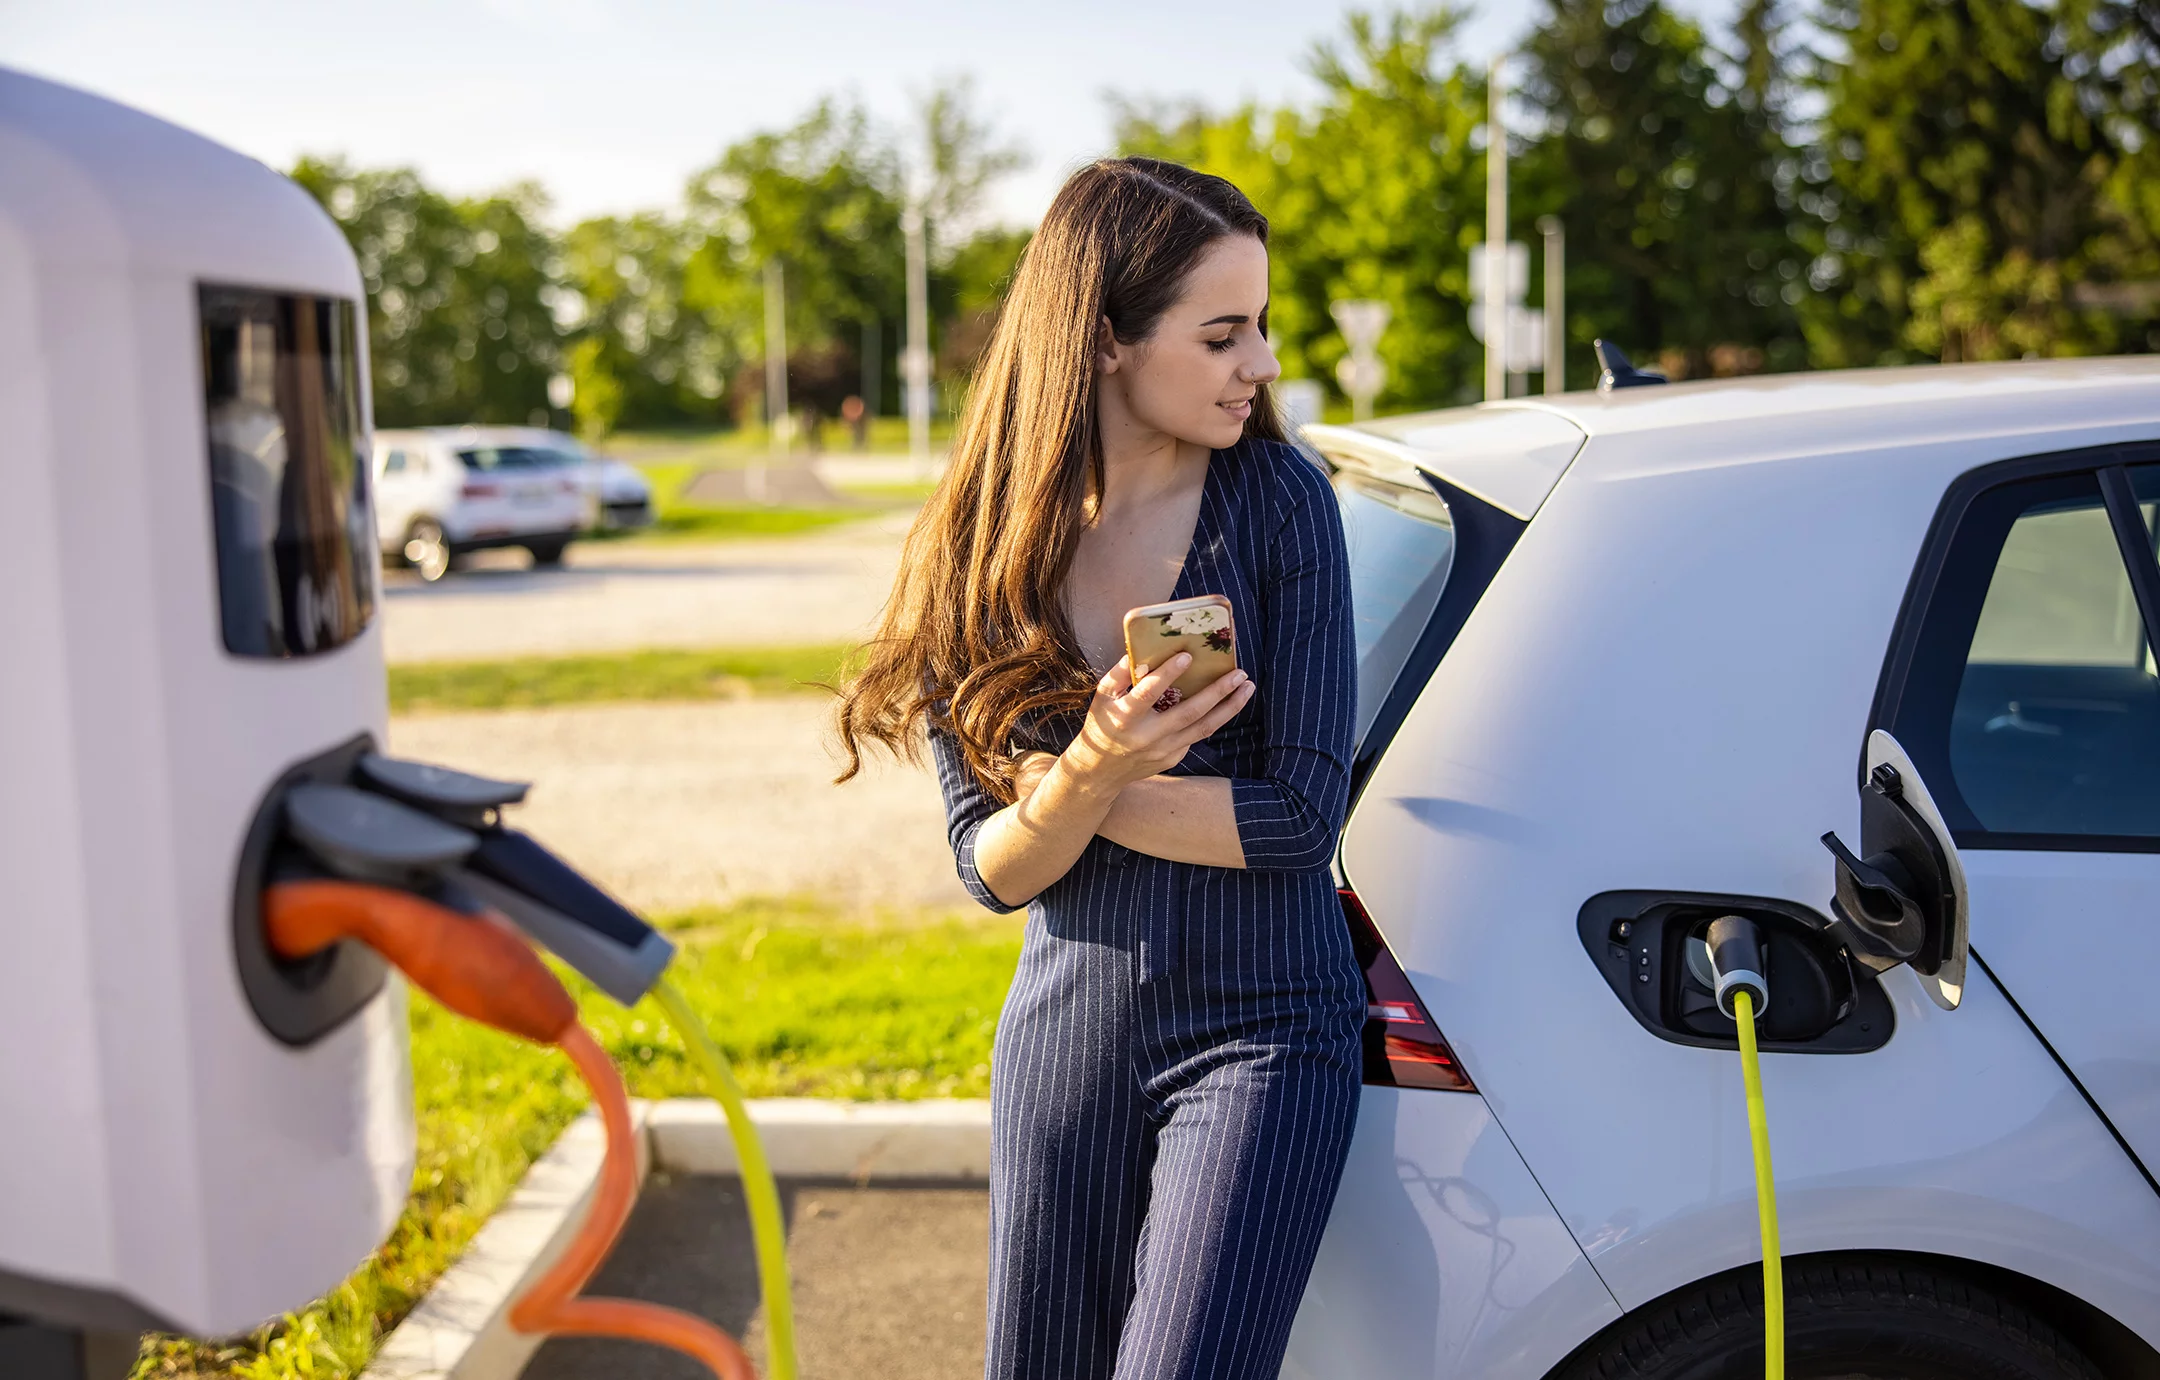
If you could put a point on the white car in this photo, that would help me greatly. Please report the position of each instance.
(622, 493)
(1625, 660)
(443, 491)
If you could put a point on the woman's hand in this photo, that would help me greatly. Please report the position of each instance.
(1126, 739)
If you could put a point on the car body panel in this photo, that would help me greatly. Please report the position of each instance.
(2075, 939)
(1436, 1205)
(1667, 686)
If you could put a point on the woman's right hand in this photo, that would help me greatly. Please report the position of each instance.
(1126, 739)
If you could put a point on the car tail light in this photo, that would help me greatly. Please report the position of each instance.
(473, 490)
(1403, 1048)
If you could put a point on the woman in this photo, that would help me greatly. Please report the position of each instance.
(1176, 1069)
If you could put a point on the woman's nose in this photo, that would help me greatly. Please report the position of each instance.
(1265, 369)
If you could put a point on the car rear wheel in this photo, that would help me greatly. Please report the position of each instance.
(548, 552)
(1844, 1320)
(427, 550)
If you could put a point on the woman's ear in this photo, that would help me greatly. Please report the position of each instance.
(1106, 347)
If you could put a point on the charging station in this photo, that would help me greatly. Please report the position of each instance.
(198, 1137)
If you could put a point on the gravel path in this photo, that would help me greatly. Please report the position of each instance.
(678, 805)
(615, 596)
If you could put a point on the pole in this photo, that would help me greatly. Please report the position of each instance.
(915, 361)
(873, 372)
(1555, 303)
(1496, 232)
(776, 399)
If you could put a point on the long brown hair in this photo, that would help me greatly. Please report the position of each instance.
(974, 636)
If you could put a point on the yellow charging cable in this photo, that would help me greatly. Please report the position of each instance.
(759, 1191)
(1773, 1266)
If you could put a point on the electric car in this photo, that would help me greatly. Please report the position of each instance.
(1865, 658)
(441, 492)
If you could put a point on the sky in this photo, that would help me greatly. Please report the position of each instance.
(612, 104)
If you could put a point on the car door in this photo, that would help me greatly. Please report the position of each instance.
(2022, 683)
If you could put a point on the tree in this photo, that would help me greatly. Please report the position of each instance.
(1667, 175)
(459, 325)
(1968, 165)
(821, 199)
(639, 357)
(1378, 192)
(961, 157)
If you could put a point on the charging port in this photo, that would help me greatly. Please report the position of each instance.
(1652, 948)
(300, 1001)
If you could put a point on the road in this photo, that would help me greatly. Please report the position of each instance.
(672, 806)
(889, 1282)
(826, 586)
(675, 806)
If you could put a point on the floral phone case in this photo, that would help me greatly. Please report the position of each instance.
(1202, 626)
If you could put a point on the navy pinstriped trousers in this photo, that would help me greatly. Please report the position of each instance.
(1176, 1072)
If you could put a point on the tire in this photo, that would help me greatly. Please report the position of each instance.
(427, 550)
(548, 553)
(1844, 1320)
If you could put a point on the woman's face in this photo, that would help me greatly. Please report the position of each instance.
(1194, 378)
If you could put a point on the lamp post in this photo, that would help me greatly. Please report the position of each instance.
(915, 359)
(1555, 303)
(1496, 264)
(776, 399)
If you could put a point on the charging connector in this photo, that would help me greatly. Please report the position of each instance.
(1737, 963)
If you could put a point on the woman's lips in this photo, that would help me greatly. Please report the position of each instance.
(1239, 410)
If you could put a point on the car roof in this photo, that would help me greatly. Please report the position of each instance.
(483, 436)
(1511, 453)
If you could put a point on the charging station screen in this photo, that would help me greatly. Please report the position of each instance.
(288, 471)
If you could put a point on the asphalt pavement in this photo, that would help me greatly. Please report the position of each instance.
(821, 587)
(889, 1282)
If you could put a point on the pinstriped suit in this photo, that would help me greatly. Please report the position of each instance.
(1176, 1070)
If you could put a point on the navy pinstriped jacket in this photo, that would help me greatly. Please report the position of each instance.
(1269, 537)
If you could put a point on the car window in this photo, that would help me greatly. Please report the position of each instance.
(2055, 725)
(2145, 483)
(488, 459)
(394, 462)
(1402, 545)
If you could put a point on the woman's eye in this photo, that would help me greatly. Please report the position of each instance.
(1218, 346)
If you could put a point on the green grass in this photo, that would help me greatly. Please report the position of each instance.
(803, 1002)
(676, 520)
(654, 674)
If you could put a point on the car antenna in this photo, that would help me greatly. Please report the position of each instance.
(1614, 371)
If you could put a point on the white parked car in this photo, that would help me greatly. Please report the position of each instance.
(622, 494)
(1626, 659)
(443, 491)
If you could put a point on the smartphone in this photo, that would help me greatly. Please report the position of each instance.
(1202, 626)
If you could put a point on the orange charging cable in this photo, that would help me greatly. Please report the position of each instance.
(483, 969)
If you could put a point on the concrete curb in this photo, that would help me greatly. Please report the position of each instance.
(809, 1138)
(461, 1330)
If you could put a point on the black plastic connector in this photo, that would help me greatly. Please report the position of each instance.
(1736, 963)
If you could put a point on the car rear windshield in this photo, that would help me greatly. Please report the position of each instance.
(490, 458)
(1402, 545)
